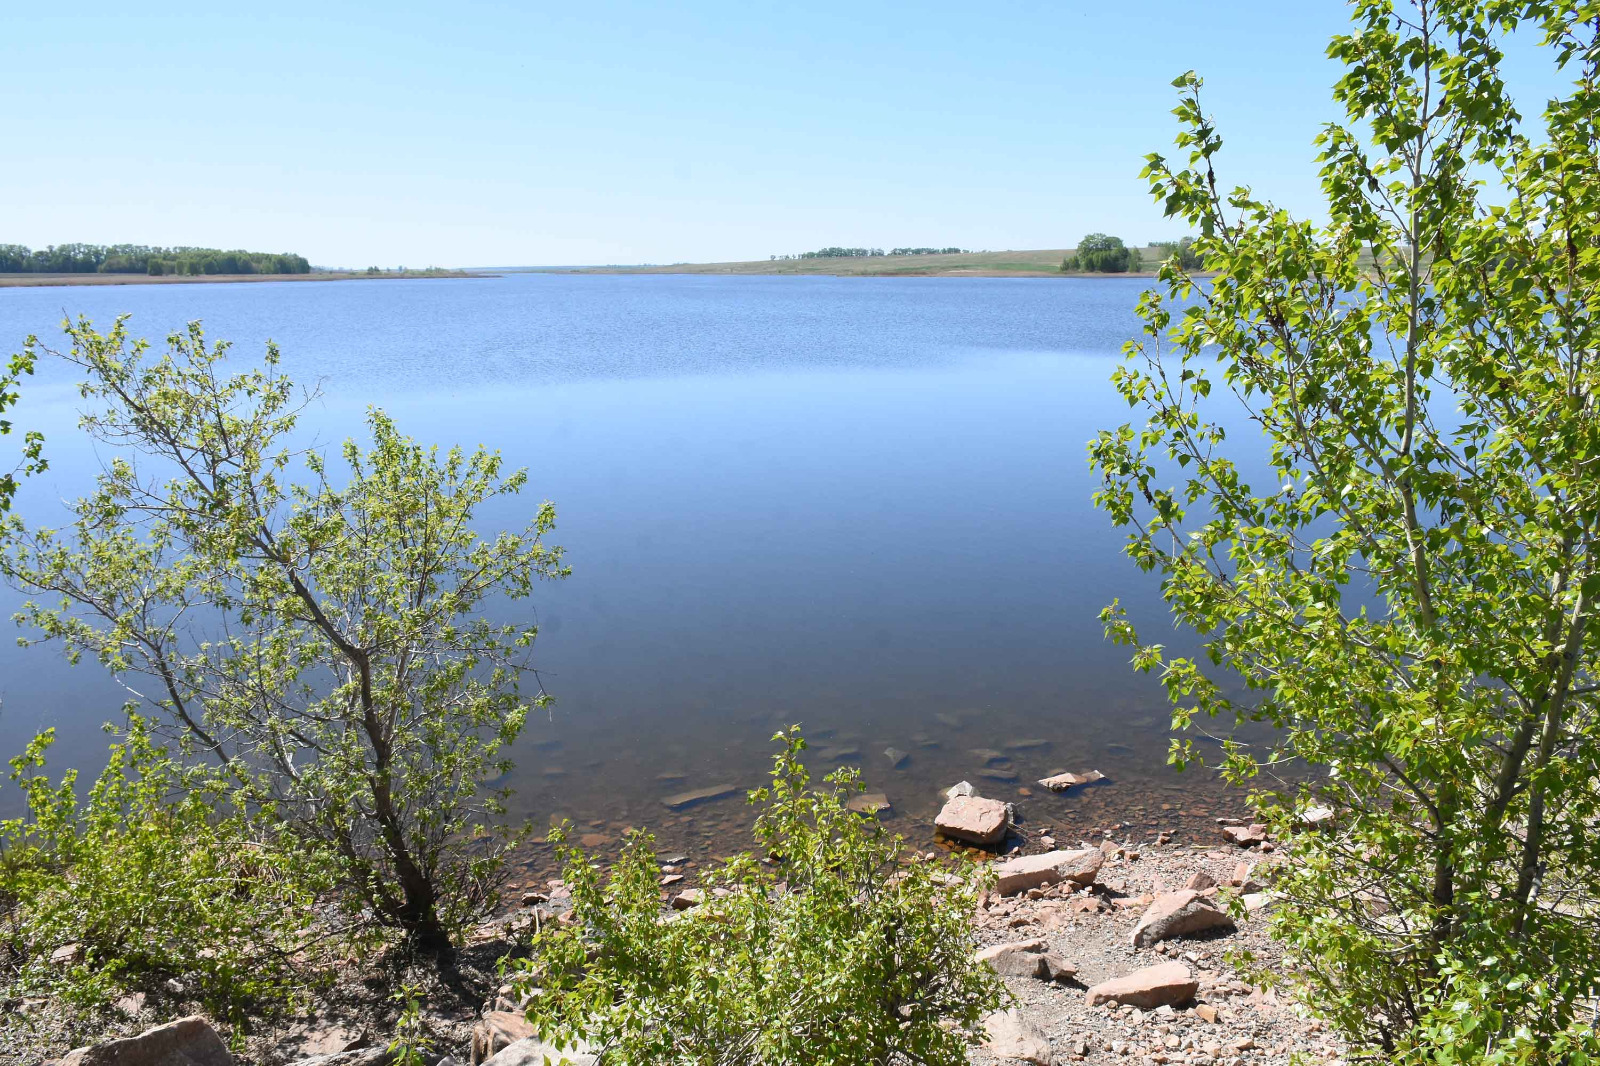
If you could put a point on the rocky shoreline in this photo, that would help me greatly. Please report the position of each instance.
(702, 812)
(1113, 952)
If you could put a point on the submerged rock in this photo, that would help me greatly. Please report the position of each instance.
(868, 803)
(699, 795)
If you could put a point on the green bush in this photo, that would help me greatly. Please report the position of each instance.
(359, 687)
(830, 951)
(154, 877)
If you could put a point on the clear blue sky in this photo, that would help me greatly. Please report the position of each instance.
(470, 133)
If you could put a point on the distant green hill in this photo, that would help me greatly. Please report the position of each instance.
(1043, 262)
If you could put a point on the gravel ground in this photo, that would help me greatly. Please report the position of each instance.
(1091, 930)
(1228, 1023)
(357, 1011)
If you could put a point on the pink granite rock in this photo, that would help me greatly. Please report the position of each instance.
(1168, 984)
(1011, 1036)
(1246, 835)
(973, 820)
(497, 1030)
(186, 1042)
(1062, 782)
(1052, 867)
(1020, 958)
(1178, 914)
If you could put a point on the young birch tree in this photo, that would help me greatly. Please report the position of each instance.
(1410, 599)
(319, 640)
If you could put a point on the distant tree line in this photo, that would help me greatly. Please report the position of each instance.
(854, 253)
(143, 259)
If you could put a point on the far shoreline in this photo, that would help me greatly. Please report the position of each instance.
(1011, 263)
(24, 281)
(971, 273)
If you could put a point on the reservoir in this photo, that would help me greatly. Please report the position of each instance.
(859, 504)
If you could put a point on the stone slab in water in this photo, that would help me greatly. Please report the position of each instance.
(699, 795)
(1063, 781)
(868, 803)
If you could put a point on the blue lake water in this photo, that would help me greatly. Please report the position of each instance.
(859, 504)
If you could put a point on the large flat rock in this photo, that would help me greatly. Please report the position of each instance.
(1027, 958)
(365, 1056)
(1011, 1036)
(1052, 867)
(1020, 958)
(186, 1042)
(1179, 914)
(1168, 984)
(973, 820)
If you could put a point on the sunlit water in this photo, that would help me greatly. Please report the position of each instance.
(858, 504)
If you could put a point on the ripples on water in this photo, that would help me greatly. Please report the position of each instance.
(860, 504)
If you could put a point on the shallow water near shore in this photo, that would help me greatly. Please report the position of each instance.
(861, 505)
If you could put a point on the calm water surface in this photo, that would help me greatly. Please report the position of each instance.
(858, 504)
